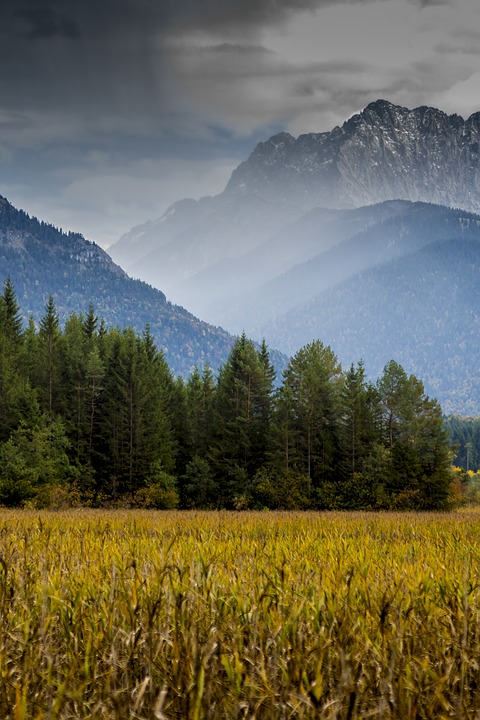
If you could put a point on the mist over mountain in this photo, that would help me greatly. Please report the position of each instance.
(402, 228)
(212, 230)
(385, 152)
(365, 237)
(332, 247)
(422, 309)
(42, 260)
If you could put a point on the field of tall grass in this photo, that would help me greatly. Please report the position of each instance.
(197, 615)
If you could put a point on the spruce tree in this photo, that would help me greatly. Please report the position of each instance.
(49, 340)
(419, 451)
(306, 416)
(239, 439)
(11, 315)
(359, 431)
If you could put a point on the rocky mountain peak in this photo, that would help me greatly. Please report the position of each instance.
(384, 152)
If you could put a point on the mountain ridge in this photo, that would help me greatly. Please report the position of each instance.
(322, 169)
(423, 309)
(386, 152)
(42, 260)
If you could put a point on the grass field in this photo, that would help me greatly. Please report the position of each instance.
(239, 615)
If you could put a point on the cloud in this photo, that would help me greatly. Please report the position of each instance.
(457, 98)
(103, 201)
(229, 16)
(152, 68)
(112, 110)
(44, 22)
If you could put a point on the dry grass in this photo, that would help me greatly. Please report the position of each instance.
(277, 615)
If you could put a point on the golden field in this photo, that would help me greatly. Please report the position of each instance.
(179, 615)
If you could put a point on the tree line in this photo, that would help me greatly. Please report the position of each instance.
(94, 416)
(465, 434)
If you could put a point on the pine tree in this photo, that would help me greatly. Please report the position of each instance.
(419, 451)
(134, 430)
(239, 439)
(49, 341)
(90, 322)
(200, 406)
(359, 419)
(17, 399)
(359, 431)
(11, 315)
(306, 415)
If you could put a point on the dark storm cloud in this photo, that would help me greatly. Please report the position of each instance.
(111, 109)
(45, 22)
(432, 3)
(48, 18)
(221, 15)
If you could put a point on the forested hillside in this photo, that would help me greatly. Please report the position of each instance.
(423, 309)
(90, 415)
(395, 229)
(465, 434)
(41, 260)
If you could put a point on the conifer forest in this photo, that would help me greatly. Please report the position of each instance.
(94, 416)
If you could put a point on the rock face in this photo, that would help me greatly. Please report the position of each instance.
(386, 152)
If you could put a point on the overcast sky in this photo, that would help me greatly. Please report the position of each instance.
(112, 109)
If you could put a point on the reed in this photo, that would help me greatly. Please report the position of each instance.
(126, 614)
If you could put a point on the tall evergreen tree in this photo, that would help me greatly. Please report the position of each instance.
(11, 316)
(200, 406)
(239, 440)
(134, 428)
(74, 403)
(359, 429)
(17, 398)
(49, 341)
(267, 392)
(419, 451)
(90, 322)
(307, 412)
(359, 420)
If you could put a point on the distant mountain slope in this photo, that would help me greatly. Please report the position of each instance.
(385, 152)
(42, 260)
(371, 235)
(422, 309)
(144, 239)
(404, 230)
(237, 283)
(230, 228)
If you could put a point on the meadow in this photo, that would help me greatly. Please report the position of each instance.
(274, 615)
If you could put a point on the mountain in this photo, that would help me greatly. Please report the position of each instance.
(383, 153)
(42, 260)
(365, 237)
(395, 228)
(422, 309)
(188, 241)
